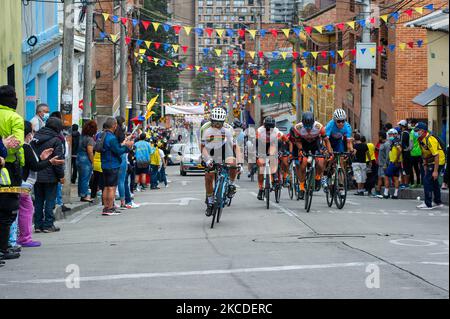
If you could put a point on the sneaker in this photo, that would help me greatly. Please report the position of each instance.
(426, 208)
(438, 205)
(423, 205)
(394, 197)
(444, 186)
(359, 193)
(64, 208)
(15, 249)
(386, 196)
(111, 212)
(301, 195)
(31, 244)
(260, 195)
(166, 186)
(7, 255)
(209, 210)
(231, 191)
(318, 185)
(38, 230)
(132, 205)
(52, 229)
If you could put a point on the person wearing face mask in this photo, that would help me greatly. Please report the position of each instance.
(433, 163)
(41, 117)
(395, 161)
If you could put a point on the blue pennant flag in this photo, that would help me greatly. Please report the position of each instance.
(333, 65)
(312, 68)
(199, 31)
(329, 28)
(139, 42)
(320, 86)
(363, 50)
(297, 31)
(419, 43)
(260, 83)
(309, 86)
(135, 22)
(362, 23)
(392, 47)
(291, 70)
(206, 51)
(242, 54)
(102, 35)
(332, 54)
(305, 54)
(230, 32)
(115, 19)
(269, 72)
(166, 27)
(183, 66)
(275, 54)
(429, 7)
(163, 62)
(263, 32)
(395, 15)
(247, 72)
(166, 47)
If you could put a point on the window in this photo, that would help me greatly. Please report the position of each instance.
(339, 40)
(352, 5)
(11, 76)
(384, 67)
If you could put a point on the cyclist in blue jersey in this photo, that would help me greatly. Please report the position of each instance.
(339, 132)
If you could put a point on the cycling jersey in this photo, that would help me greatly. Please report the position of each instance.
(338, 137)
(219, 142)
(310, 139)
(273, 142)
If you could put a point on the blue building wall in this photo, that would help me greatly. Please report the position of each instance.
(40, 75)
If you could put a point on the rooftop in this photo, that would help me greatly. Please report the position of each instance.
(437, 21)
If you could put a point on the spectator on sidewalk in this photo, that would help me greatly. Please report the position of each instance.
(123, 185)
(75, 144)
(395, 163)
(433, 162)
(12, 134)
(416, 158)
(406, 154)
(143, 155)
(155, 160)
(359, 164)
(162, 165)
(372, 168)
(33, 164)
(96, 182)
(445, 180)
(383, 161)
(111, 162)
(41, 117)
(85, 159)
(47, 179)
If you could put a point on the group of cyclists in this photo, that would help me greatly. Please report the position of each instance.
(224, 144)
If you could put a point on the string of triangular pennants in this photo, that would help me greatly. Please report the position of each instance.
(263, 32)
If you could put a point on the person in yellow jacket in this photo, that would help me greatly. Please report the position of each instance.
(96, 182)
(155, 160)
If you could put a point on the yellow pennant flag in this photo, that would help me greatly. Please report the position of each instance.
(188, 30)
(136, 54)
(419, 10)
(197, 67)
(114, 37)
(239, 71)
(175, 47)
(402, 45)
(105, 16)
(238, 79)
(156, 60)
(221, 76)
(252, 33)
(288, 85)
(283, 71)
(351, 24)
(348, 63)
(148, 43)
(254, 97)
(332, 86)
(252, 54)
(304, 86)
(271, 83)
(151, 103)
(141, 60)
(142, 51)
(325, 67)
(262, 72)
(385, 18)
(315, 54)
(218, 52)
(284, 55)
(176, 64)
(220, 32)
(341, 53)
(218, 70)
(305, 70)
(319, 28)
(156, 25)
(286, 32)
(268, 95)
(255, 81)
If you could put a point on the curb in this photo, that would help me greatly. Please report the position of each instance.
(75, 207)
(419, 192)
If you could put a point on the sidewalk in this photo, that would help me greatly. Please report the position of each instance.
(74, 204)
(418, 192)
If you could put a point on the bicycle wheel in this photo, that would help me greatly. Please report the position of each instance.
(221, 200)
(331, 191)
(214, 213)
(309, 191)
(278, 188)
(290, 187)
(267, 191)
(341, 188)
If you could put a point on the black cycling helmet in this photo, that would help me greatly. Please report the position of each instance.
(308, 120)
(269, 122)
(237, 124)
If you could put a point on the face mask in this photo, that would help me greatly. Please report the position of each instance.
(392, 138)
(45, 117)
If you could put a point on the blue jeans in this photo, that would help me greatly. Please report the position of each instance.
(44, 204)
(84, 167)
(122, 177)
(59, 200)
(127, 189)
(13, 234)
(154, 176)
(431, 186)
(162, 175)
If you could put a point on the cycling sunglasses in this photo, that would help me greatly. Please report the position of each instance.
(217, 123)
(340, 121)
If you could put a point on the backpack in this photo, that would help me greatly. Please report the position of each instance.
(98, 147)
(440, 141)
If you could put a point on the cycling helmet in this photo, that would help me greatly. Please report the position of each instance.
(308, 120)
(237, 124)
(392, 131)
(269, 122)
(339, 115)
(218, 114)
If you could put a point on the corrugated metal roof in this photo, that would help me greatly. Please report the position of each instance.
(437, 20)
(430, 94)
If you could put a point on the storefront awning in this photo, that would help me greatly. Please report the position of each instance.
(431, 94)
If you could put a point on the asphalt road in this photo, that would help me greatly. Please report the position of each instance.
(165, 249)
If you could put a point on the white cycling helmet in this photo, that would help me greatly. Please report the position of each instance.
(339, 114)
(392, 131)
(218, 114)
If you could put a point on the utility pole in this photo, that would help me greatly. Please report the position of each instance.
(163, 113)
(298, 78)
(135, 76)
(67, 91)
(123, 63)
(366, 84)
(88, 62)
(257, 88)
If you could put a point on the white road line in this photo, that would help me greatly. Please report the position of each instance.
(220, 271)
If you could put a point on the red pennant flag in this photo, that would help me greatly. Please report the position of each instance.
(259, 95)
(272, 94)
(282, 83)
(127, 40)
(323, 54)
(255, 72)
(411, 44)
(340, 26)
(308, 30)
(319, 68)
(241, 33)
(296, 55)
(177, 29)
(341, 63)
(169, 63)
(274, 32)
(145, 24)
(266, 82)
(276, 71)
(184, 48)
(211, 69)
(230, 53)
(209, 31)
(372, 20)
(191, 67)
(261, 54)
(353, 51)
(409, 12)
(157, 45)
(124, 20)
(380, 48)
(150, 59)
